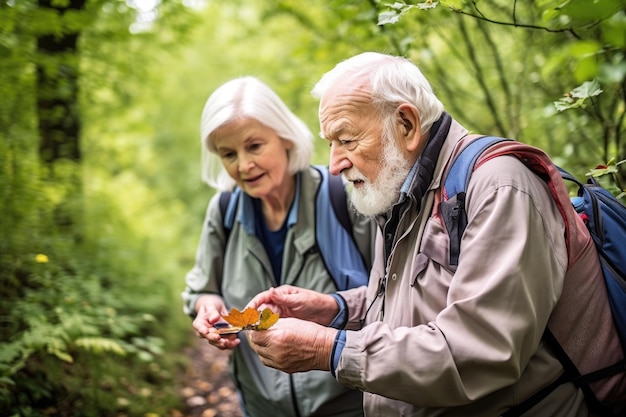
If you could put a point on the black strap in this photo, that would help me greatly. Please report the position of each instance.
(570, 374)
(224, 200)
(603, 373)
(536, 398)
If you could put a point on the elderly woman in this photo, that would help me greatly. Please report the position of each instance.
(256, 148)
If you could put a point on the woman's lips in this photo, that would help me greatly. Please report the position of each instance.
(253, 179)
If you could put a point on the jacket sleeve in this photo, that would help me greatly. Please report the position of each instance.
(355, 305)
(495, 309)
(205, 276)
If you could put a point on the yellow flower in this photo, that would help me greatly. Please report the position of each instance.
(41, 258)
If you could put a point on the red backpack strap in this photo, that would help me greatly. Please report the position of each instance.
(576, 237)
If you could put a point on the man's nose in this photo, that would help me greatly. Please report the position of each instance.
(338, 160)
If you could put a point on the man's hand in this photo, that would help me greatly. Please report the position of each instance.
(293, 345)
(301, 303)
(210, 309)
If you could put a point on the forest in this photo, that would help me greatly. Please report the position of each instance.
(100, 189)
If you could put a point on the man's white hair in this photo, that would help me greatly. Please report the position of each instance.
(248, 97)
(393, 80)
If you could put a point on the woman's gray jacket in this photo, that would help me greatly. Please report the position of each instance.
(242, 269)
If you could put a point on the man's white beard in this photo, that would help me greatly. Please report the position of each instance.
(371, 199)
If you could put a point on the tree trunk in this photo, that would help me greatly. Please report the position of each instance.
(57, 90)
(58, 116)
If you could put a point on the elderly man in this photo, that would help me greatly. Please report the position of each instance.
(428, 338)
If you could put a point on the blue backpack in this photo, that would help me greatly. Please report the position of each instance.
(333, 230)
(605, 218)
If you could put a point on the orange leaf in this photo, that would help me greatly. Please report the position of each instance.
(249, 319)
(268, 318)
(244, 319)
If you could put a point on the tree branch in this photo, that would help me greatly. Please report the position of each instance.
(501, 71)
(480, 77)
(481, 16)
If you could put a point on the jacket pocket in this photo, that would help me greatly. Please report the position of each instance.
(434, 247)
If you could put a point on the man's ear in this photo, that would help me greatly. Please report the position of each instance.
(408, 119)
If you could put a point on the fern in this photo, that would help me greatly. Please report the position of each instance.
(100, 344)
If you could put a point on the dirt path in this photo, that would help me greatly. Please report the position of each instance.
(206, 388)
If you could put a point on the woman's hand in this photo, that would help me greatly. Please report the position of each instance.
(210, 309)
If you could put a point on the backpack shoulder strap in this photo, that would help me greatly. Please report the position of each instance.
(333, 234)
(338, 201)
(228, 207)
(224, 199)
(458, 176)
(452, 207)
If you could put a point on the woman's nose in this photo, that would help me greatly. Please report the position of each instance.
(245, 163)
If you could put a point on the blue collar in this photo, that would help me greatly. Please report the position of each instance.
(246, 214)
(406, 185)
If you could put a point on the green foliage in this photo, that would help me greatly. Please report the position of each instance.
(90, 276)
(66, 322)
(578, 96)
(83, 302)
(611, 170)
(577, 63)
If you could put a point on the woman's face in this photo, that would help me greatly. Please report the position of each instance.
(254, 156)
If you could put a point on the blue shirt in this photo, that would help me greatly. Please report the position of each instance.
(273, 241)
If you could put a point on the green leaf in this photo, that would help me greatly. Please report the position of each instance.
(64, 356)
(587, 89)
(427, 5)
(598, 172)
(389, 17)
(567, 102)
(577, 97)
(584, 11)
(401, 6)
(399, 9)
(100, 344)
(454, 4)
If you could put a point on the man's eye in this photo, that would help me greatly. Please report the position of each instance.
(346, 142)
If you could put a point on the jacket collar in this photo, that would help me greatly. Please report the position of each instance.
(425, 165)
(246, 214)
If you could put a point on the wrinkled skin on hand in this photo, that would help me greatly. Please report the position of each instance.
(294, 345)
(210, 309)
(301, 303)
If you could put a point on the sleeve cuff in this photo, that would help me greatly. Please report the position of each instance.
(340, 320)
(340, 342)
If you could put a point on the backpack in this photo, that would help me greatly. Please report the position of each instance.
(333, 230)
(605, 219)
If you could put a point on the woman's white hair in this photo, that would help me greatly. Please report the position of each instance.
(393, 80)
(248, 97)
